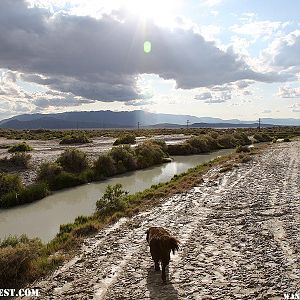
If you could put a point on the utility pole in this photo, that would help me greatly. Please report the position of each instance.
(138, 125)
(259, 124)
(187, 123)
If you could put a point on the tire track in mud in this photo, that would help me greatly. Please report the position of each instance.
(239, 240)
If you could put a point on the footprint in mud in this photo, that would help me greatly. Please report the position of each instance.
(159, 290)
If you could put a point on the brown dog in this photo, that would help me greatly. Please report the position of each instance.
(161, 243)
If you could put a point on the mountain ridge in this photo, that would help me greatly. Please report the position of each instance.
(127, 119)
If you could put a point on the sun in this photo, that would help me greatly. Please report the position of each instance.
(160, 11)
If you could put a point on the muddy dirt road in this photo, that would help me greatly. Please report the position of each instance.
(239, 234)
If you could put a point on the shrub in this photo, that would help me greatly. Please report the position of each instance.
(75, 139)
(242, 138)
(20, 160)
(199, 144)
(73, 160)
(49, 170)
(240, 149)
(124, 158)
(262, 137)
(10, 183)
(65, 180)
(162, 145)
(125, 139)
(104, 166)
(22, 147)
(113, 200)
(181, 149)
(149, 154)
(29, 194)
(227, 141)
(16, 260)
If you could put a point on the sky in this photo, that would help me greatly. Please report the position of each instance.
(207, 58)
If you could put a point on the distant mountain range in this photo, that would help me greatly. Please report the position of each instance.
(128, 119)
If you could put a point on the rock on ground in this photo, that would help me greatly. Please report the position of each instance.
(239, 238)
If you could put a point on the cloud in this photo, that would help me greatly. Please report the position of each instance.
(288, 92)
(258, 28)
(247, 93)
(203, 96)
(142, 102)
(284, 51)
(100, 59)
(207, 97)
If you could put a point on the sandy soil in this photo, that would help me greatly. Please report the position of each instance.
(50, 150)
(239, 240)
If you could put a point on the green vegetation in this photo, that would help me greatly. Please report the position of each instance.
(46, 134)
(104, 166)
(125, 139)
(18, 160)
(79, 138)
(9, 183)
(16, 259)
(113, 200)
(262, 137)
(22, 195)
(206, 143)
(22, 147)
(48, 171)
(73, 160)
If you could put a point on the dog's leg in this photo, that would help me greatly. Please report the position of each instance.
(156, 265)
(163, 272)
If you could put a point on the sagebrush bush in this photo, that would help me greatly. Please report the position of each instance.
(124, 158)
(20, 160)
(149, 154)
(49, 170)
(181, 149)
(65, 180)
(16, 260)
(113, 200)
(22, 147)
(104, 166)
(125, 139)
(27, 194)
(73, 160)
(10, 183)
(75, 139)
(262, 137)
(227, 141)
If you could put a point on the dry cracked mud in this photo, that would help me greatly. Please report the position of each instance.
(239, 238)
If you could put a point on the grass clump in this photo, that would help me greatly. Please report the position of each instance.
(22, 147)
(73, 160)
(17, 257)
(75, 139)
(125, 139)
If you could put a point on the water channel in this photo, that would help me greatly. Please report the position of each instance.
(42, 218)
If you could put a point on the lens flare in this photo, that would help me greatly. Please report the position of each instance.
(147, 47)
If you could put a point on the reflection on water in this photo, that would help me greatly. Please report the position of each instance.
(42, 218)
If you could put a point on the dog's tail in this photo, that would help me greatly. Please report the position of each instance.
(173, 244)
